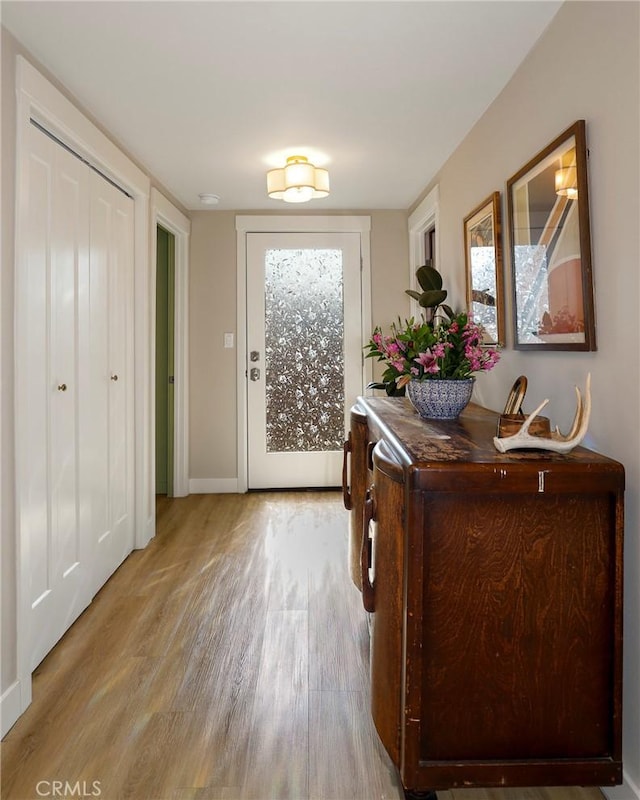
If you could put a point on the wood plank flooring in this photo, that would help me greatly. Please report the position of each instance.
(226, 661)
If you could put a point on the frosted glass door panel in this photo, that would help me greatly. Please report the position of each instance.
(304, 359)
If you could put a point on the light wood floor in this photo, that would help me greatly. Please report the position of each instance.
(228, 660)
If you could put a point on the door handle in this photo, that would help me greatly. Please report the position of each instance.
(254, 374)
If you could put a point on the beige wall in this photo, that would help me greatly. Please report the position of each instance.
(213, 405)
(586, 66)
(389, 265)
(212, 369)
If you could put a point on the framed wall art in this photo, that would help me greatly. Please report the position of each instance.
(483, 265)
(549, 232)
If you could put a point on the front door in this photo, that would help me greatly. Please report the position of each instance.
(304, 359)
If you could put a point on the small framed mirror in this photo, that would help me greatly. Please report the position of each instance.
(548, 205)
(483, 264)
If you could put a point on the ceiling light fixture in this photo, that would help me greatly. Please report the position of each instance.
(567, 182)
(298, 182)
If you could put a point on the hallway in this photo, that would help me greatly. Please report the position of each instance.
(227, 661)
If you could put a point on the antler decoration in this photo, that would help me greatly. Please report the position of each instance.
(557, 442)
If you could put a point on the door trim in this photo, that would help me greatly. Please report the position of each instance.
(423, 218)
(164, 213)
(289, 224)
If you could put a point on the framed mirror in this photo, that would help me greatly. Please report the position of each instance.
(483, 265)
(548, 206)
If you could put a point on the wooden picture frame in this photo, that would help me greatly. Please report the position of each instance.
(483, 267)
(550, 240)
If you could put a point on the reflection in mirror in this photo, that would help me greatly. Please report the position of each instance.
(483, 261)
(550, 248)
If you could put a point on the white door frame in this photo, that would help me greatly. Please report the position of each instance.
(289, 224)
(164, 213)
(38, 99)
(424, 217)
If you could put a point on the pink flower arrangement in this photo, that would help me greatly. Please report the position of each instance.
(450, 349)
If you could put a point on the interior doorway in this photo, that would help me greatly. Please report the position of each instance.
(424, 239)
(165, 349)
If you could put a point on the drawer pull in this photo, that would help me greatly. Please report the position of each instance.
(368, 592)
(346, 493)
(370, 448)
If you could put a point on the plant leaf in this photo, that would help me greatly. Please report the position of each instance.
(429, 277)
(412, 293)
(448, 311)
(432, 298)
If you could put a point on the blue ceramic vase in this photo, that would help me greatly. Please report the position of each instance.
(440, 399)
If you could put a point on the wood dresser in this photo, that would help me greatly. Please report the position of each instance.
(494, 583)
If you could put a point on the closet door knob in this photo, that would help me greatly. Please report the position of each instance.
(114, 377)
(62, 387)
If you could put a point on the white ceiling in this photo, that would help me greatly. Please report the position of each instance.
(209, 95)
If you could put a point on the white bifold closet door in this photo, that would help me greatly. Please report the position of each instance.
(74, 447)
(111, 382)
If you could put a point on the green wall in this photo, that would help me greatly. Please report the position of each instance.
(165, 278)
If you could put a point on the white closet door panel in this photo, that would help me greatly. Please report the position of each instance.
(53, 521)
(112, 375)
(68, 262)
(121, 364)
(33, 374)
(96, 415)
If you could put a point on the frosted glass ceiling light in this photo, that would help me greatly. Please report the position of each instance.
(297, 182)
(567, 182)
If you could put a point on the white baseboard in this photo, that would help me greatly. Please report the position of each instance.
(629, 790)
(213, 485)
(10, 707)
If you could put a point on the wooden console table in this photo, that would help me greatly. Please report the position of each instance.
(494, 583)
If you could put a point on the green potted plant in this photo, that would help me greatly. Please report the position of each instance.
(432, 296)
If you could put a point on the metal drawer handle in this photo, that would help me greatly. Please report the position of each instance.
(114, 377)
(62, 387)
